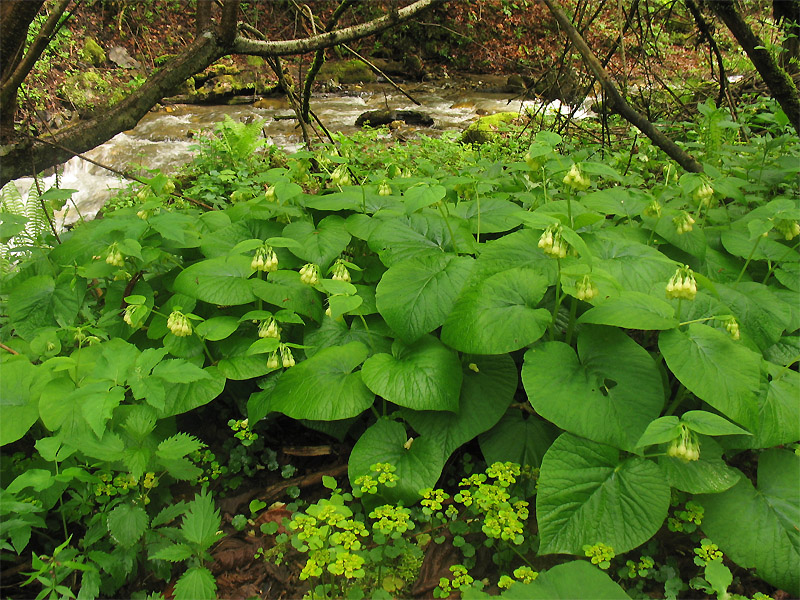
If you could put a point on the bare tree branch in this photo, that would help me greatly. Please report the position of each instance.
(616, 100)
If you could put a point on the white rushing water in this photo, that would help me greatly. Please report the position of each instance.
(163, 140)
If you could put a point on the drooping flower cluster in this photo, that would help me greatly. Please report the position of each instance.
(586, 289)
(341, 176)
(384, 189)
(309, 274)
(268, 328)
(551, 242)
(653, 209)
(732, 327)
(788, 228)
(683, 222)
(269, 193)
(286, 358)
(703, 194)
(682, 284)
(179, 324)
(114, 256)
(685, 446)
(340, 272)
(265, 259)
(576, 179)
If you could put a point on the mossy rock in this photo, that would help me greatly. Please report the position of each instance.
(486, 128)
(346, 72)
(92, 52)
(88, 92)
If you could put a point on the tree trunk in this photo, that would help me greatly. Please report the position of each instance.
(780, 85)
(617, 101)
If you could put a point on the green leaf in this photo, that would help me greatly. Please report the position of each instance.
(416, 295)
(324, 387)
(20, 386)
(425, 375)
(126, 524)
(762, 316)
(169, 513)
(718, 576)
(767, 534)
(778, 419)
(30, 305)
(183, 397)
(421, 195)
(222, 280)
(320, 244)
(498, 314)
(708, 423)
(417, 234)
(179, 371)
(568, 581)
(609, 395)
(337, 333)
(340, 305)
(217, 328)
(635, 265)
(38, 479)
(172, 553)
(201, 521)
(418, 466)
(708, 475)
(632, 310)
(178, 446)
(197, 583)
(588, 495)
(737, 241)
(518, 438)
(485, 395)
(97, 405)
(285, 290)
(660, 431)
(715, 369)
(489, 215)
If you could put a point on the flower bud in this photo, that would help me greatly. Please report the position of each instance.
(788, 228)
(309, 274)
(534, 162)
(114, 256)
(685, 447)
(340, 272)
(269, 329)
(265, 259)
(576, 179)
(287, 360)
(682, 284)
(732, 327)
(384, 189)
(340, 176)
(269, 194)
(683, 222)
(653, 209)
(179, 324)
(703, 194)
(272, 361)
(551, 242)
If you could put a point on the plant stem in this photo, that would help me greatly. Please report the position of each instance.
(557, 303)
(573, 310)
(447, 222)
(679, 396)
(747, 262)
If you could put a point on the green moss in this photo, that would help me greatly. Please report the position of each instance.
(88, 92)
(92, 52)
(346, 72)
(485, 129)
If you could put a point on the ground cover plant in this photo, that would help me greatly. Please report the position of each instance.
(617, 340)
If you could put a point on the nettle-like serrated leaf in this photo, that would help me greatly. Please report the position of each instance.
(419, 465)
(425, 375)
(486, 391)
(127, 523)
(172, 553)
(181, 469)
(587, 494)
(169, 513)
(201, 521)
(324, 387)
(766, 535)
(577, 579)
(222, 280)
(632, 310)
(715, 369)
(197, 583)
(320, 244)
(416, 295)
(708, 475)
(178, 446)
(498, 314)
(610, 394)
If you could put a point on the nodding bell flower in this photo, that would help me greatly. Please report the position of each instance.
(272, 361)
(788, 228)
(309, 274)
(684, 447)
(268, 328)
(287, 360)
(269, 193)
(115, 256)
(384, 189)
(682, 284)
(703, 194)
(551, 242)
(534, 162)
(129, 314)
(340, 176)
(732, 327)
(576, 179)
(586, 289)
(340, 272)
(683, 222)
(653, 209)
(179, 324)
(144, 214)
(265, 259)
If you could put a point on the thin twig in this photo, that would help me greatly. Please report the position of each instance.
(7, 349)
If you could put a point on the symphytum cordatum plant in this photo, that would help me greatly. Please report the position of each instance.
(651, 320)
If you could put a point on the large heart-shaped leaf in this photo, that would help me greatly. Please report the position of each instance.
(588, 495)
(404, 237)
(320, 244)
(285, 290)
(418, 465)
(425, 375)
(20, 387)
(416, 295)
(715, 369)
(637, 266)
(222, 280)
(708, 475)
(498, 314)
(766, 535)
(337, 333)
(762, 316)
(489, 215)
(632, 310)
(778, 419)
(610, 395)
(577, 579)
(486, 391)
(324, 387)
